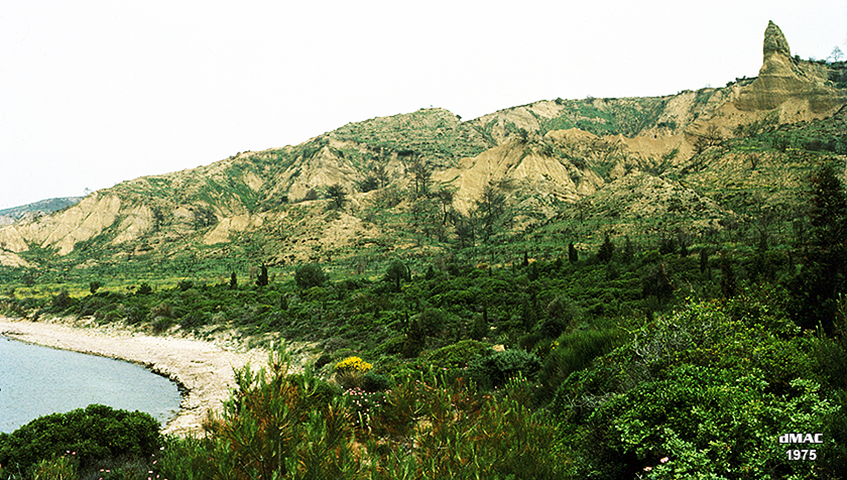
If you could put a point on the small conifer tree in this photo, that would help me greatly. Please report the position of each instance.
(262, 281)
(728, 284)
(628, 250)
(704, 259)
(604, 254)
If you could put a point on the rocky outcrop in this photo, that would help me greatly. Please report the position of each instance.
(783, 79)
(231, 225)
(775, 42)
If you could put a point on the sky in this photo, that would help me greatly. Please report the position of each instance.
(93, 93)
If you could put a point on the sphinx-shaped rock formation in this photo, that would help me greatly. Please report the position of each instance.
(783, 78)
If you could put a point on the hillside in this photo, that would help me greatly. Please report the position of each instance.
(597, 288)
(419, 181)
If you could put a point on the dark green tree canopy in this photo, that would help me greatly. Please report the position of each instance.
(828, 208)
(490, 209)
(337, 194)
(396, 272)
(262, 280)
(308, 276)
(607, 249)
(815, 289)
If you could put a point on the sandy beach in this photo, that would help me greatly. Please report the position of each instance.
(204, 369)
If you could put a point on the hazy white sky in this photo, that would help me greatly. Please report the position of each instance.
(96, 92)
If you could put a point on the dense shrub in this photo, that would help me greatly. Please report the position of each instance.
(561, 314)
(573, 352)
(189, 322)
(309, 276)
(93, 433)
(374, 382)
(430, 322)
(456, 432)
(707, 390)
(396, 272)
(353, 364)
(458, 355)
(324, 359)
(711, 421)
(494, 370)
(161, 324)
(274, 425)
(61, 301)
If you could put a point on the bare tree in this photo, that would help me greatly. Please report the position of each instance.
(490, 208)
(836, 54)
(381, 174)
(422, 172)
(711, 138)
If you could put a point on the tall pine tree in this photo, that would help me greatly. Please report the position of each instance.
(816, 287)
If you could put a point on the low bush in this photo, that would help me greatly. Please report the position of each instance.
(495, 370)
(454, 431)
(573, 352)
(459, 354)
(353, 364)
(562, 313)
(88, 434)
(161, 324)
(309, 276)
(58, 468)
(274, 425)
(374, 382)
(324, 359)
(62, 301)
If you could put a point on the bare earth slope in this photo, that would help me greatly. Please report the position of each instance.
(544, 157)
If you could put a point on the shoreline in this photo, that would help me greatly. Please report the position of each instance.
(202, 370)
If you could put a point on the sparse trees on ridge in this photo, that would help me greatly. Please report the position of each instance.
(421, 172)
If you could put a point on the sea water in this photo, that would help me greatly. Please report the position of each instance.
(37, 381)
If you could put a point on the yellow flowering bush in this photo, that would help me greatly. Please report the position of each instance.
(353, 364)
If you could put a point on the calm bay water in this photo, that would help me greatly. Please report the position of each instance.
(36, 381)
